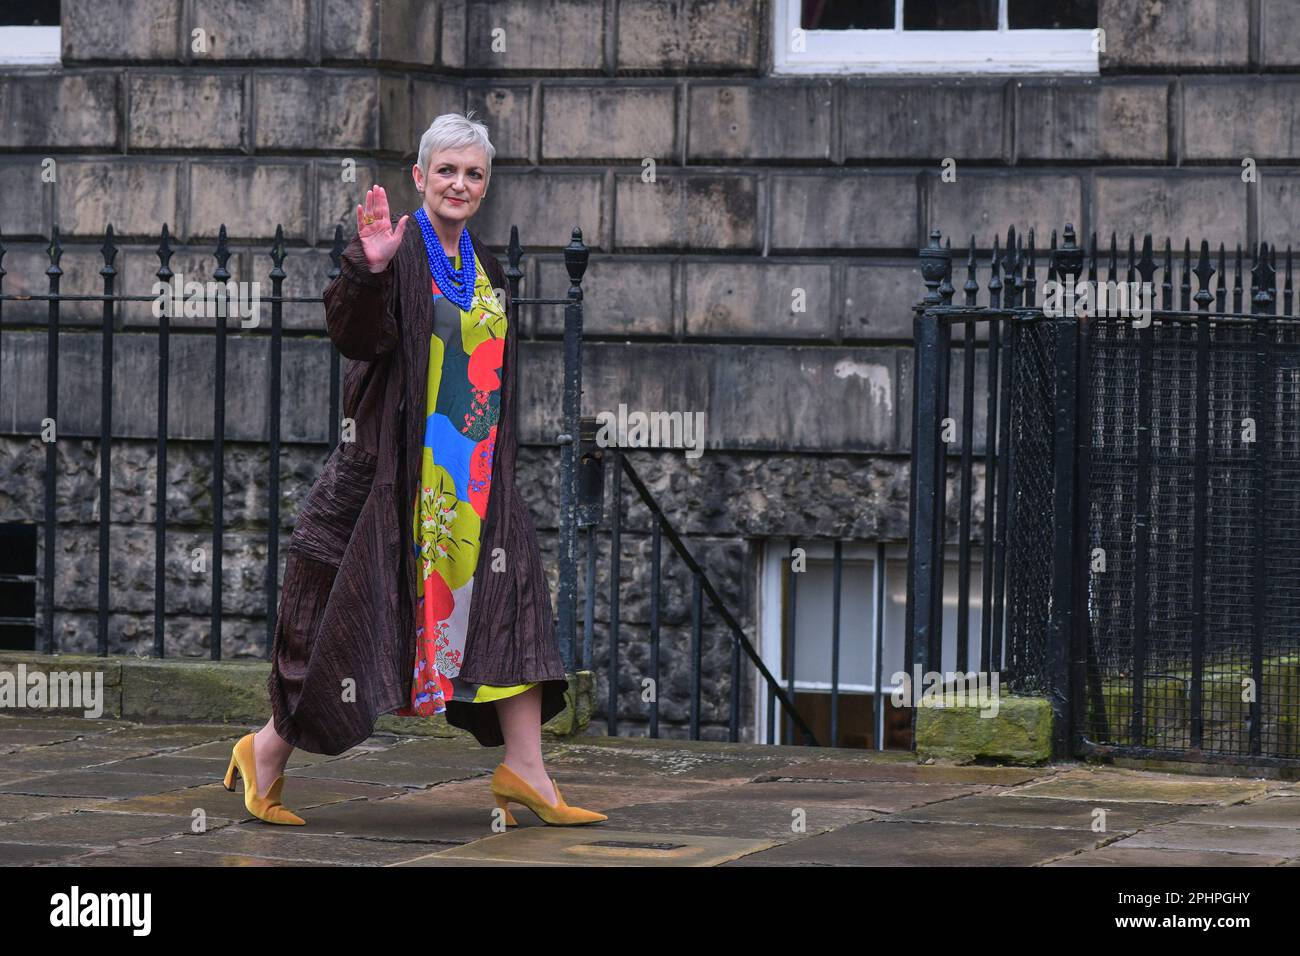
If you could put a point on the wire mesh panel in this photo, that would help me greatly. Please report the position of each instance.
(1280, 693)
(1030, 531)
(1148, 686)
(1112, 381)
(1232, 537)
(1147, 533)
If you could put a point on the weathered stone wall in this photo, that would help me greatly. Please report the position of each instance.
(763, 187)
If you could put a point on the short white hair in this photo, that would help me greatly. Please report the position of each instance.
(453, 131)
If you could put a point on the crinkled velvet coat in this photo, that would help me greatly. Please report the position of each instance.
(344, 648)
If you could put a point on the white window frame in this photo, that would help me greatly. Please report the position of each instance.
(900, 51)
(771, 621)
(30, 46)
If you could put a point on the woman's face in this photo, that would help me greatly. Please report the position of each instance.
(455, 182)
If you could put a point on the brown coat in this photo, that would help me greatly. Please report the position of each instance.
(348, 599)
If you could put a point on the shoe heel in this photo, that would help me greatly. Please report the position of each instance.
(231, 773)
(502, 803)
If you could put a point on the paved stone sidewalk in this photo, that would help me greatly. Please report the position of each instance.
(77, 792)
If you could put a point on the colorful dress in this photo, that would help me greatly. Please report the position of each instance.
(466, 352)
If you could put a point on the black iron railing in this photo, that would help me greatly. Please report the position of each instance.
(592, 460)
(1146, 496)
(112, 325)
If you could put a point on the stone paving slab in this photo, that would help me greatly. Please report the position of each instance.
(662, 762)
(1016, 811)
(440, 819)
(438, 859)
(80, 725)
(98, 748)
(217, 801)
(878, 797)
(221, 750)
(92, 828)
(1135, 786)
(166, 736)
(96, 783)
(21, 806)
(587, 792)
(18, 854)
(783, 753)
(274, 842)
(901, 773)
(164, 854)
(1146, 856)
(886, 843)
(33, 737)
(55, 757)
(749, 819)
(169, 765)
(1235, 839)
(379, 770)
(1274, 811)
(596, 845)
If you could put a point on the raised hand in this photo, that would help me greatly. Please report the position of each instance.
(379, 240)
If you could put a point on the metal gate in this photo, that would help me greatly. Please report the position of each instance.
(1147, 476)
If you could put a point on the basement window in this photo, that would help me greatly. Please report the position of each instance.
(18, 586)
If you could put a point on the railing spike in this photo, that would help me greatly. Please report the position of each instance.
(1287, 290)
(1204, 272)
(971, 286)
(1167, 280)
(55, 251)
(1185, 286)
(1236, 282)
(109, 251)
(222, 255)
(995, 282)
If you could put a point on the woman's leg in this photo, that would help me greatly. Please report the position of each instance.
(270, 754)
(521, 725)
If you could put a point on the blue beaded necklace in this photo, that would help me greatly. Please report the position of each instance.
(456, 285)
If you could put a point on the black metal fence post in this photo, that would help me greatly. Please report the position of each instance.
(575, 260)
(1068, 265)
(278, 253)
(109, 274)
(926, 571)
(54, 274)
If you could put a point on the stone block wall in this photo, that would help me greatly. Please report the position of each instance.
(713, 195)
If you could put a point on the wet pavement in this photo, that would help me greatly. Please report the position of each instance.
(77, 792)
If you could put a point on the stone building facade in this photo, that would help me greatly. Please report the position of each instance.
(713, 192)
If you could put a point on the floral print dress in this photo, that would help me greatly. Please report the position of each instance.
(466, 351)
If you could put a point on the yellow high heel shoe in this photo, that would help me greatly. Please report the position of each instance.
(266, 808)
(509, 787)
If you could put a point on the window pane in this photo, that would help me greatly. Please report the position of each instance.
(847, 15)
(1057, 15)
(30, 13)
(950, 14)
(896, 609)
(814, 623)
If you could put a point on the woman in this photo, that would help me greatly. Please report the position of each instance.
(413, 583)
